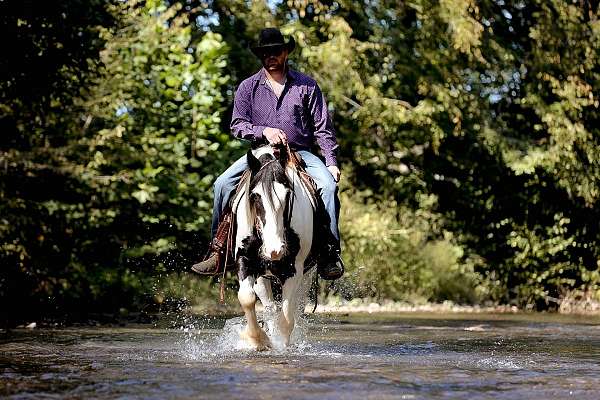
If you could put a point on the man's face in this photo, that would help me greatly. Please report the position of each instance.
(273, 58)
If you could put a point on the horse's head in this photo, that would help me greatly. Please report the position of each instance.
(269, 198)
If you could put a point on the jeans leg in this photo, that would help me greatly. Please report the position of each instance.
(329, 189)
(223, 187)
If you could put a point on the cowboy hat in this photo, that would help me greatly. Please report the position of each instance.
(270, 38)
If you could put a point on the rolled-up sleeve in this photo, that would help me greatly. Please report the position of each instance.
(324, 132)
(241, 120)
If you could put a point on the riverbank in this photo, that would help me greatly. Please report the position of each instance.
(404, 307)
(566, 306)
(332, 306)
(337, 306)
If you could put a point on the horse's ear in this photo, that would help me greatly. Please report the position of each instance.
(253, 162)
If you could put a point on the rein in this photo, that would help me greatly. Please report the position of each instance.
(290, 205)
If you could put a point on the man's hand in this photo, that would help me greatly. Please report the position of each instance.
(335, 172)
(274, 135)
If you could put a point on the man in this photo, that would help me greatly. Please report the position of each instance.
(279, 105)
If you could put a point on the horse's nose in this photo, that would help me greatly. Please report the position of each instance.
(276, 254)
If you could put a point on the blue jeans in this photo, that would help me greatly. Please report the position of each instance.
(228, 180)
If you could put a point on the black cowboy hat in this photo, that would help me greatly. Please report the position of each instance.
(270, 38)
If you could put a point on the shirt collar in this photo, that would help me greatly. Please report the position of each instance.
(263, 75)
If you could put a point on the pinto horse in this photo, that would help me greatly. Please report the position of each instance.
(273, 239)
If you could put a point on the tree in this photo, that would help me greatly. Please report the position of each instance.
(132, 170)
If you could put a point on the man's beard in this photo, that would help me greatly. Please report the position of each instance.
(273, 64)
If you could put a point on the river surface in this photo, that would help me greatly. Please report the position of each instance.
(384, 356)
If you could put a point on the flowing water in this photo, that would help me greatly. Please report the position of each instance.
(385, 356)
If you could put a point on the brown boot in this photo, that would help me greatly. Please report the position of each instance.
(218, 248)
(208, 266)
(333, 269)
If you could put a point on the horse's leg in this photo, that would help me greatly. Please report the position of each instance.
(288, 305)
(262, 288)
(253, 334)
(305, 287)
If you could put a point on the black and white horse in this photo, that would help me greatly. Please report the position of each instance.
(273, 239)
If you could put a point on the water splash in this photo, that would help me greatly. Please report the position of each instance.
(202, 345)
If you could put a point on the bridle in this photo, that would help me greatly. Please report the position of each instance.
(289, 207)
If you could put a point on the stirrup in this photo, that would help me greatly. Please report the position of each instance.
(332, 270)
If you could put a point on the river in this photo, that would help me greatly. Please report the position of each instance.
(353, 356)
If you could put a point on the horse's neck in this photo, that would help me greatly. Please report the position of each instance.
(302, 193)
(243, 220)
(302, 218)
(241, 207)
(292, 174)
(298, 182)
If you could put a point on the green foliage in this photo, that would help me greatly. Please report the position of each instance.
(57, 47)
(187, 288)
(155, 140)
(123, 187)
(393, 252)
(563, 97)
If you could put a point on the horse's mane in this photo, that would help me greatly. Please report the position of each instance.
(271, 171)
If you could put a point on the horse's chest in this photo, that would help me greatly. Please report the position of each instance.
(250, 263)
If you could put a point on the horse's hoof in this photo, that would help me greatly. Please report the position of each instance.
(260, 342)
(263, 347)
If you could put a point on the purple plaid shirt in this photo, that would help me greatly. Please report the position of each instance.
(301, 112)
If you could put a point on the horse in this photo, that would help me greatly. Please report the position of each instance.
(273, 239)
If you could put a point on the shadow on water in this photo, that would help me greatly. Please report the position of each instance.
(353, 356)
